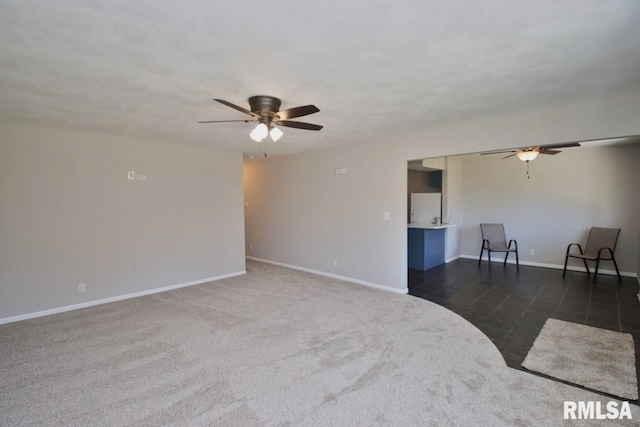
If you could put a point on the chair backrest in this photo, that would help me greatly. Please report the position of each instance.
(601, 238)
(494, 233)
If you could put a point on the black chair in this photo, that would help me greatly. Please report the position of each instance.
(601, 245)
(494, 240)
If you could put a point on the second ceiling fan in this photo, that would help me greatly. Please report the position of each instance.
(527, 154)
(265, 110)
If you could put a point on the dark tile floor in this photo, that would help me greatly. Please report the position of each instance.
(511, 307)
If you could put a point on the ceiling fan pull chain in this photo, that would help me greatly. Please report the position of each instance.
(528, 177)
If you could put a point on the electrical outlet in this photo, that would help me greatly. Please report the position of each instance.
(386, 216)
(82, 287)
(250, 248)
(532, 251)
(335, 262)
(131, 175)
(134, 270)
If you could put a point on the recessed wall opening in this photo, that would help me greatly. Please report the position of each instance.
(553, 198)
(544, 204)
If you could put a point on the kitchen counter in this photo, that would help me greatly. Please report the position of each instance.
(428, 225)
(426, 243)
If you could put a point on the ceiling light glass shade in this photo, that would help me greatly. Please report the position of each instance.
(526, 156)
(276, 134)
(259, 133)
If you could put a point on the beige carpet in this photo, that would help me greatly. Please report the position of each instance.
(596, 358)
(272, 347)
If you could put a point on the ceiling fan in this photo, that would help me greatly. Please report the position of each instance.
(527, 154)
(265, 110)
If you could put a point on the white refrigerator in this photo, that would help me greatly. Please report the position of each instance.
(425, 207)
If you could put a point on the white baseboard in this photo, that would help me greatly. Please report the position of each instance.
(544, 265)
(453, 258)
(116, 298)
(333, 276)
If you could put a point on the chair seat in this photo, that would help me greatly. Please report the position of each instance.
(502, 249)
(589, 257)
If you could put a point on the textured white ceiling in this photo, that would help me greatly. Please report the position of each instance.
(374, 68)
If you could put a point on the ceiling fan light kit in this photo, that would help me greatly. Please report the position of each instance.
(527, 155)
(259, 133)
(275, 134)
(266, 111)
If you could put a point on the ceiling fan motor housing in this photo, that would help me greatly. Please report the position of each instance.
(264, 104)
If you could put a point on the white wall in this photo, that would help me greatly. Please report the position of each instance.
(68, 215)
(565, 196)
(300, 213)
(453, 200)
(638, 195)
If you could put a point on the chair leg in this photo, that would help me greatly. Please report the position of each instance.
(595, 273)
(587, 266)
(615, 264)
(517, 261)
(564, 272)
(505, 258)
(480, 257)
(489, 255)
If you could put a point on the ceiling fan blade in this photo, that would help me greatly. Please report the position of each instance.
(498, 152)
(236, 107)
(567, 145)
(292, 113)
(552, 152)
(510, 155)
(299, 125)
(226, 121)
